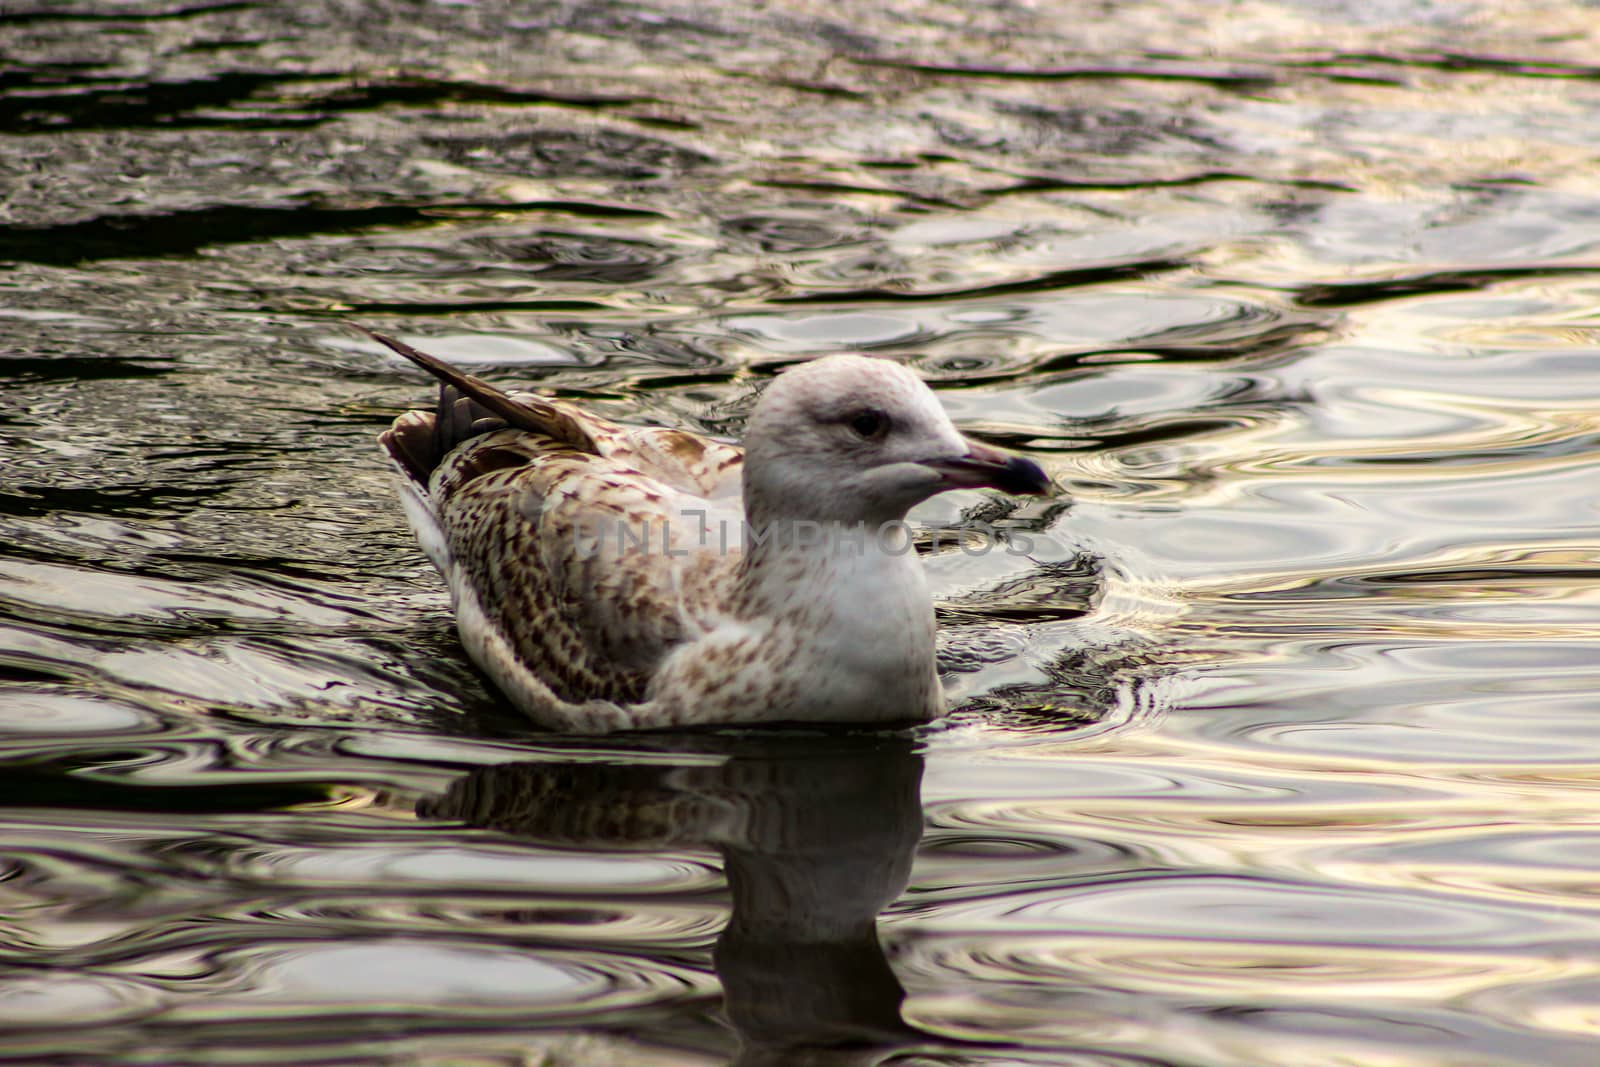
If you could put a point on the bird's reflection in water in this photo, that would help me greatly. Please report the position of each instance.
(817, 835)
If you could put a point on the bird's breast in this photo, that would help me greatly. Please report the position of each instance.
(863, 624)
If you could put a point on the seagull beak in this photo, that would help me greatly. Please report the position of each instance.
(983, 467)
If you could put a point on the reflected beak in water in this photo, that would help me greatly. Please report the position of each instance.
(983, 467)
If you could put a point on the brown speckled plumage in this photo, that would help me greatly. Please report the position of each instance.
(521, 502)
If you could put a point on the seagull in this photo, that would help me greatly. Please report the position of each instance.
(609, 577)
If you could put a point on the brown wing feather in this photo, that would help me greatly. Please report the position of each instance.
(519, 508)
(565, 554)
(687, 462)
(511, 557)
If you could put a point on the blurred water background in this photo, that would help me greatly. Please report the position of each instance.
(1280, 746)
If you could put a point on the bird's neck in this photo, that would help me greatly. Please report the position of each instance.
(783, 555)
(849, 569)
(788, 507)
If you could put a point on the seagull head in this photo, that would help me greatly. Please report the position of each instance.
(851, 439)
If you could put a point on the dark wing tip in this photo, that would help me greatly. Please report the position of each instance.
(465, 383)
(544, 420)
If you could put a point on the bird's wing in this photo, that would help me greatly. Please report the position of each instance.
(585, 549)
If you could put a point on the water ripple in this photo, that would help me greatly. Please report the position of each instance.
(411, 976)
(1250, 910)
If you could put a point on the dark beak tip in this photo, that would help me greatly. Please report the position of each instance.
(993, 469)
(1024, 477)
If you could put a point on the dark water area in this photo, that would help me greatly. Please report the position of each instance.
(1280, 745)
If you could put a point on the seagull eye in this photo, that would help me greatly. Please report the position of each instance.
(869, 424)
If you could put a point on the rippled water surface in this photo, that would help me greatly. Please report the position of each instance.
(1279, 746)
